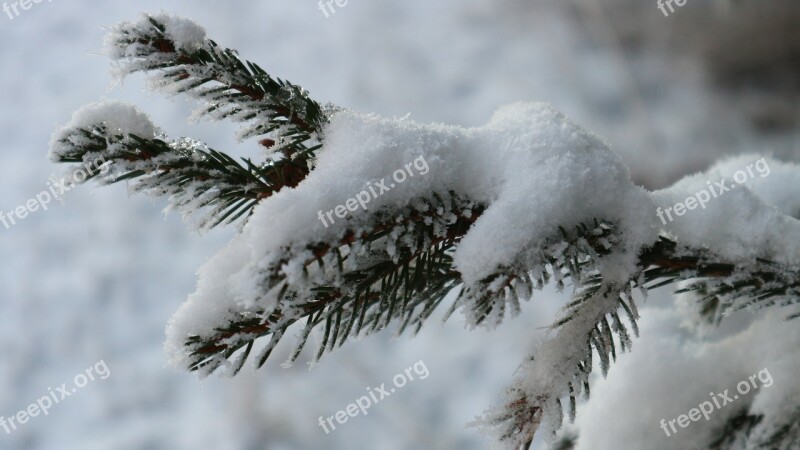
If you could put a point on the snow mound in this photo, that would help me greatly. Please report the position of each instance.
(676, 373)
(745, 214)
(532, 167)
(185, 33)
(118, 118)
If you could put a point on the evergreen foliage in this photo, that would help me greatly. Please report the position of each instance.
(371, 290)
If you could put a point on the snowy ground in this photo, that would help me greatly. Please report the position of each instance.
(98, 277)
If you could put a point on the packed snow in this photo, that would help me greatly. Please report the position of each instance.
(671, 371)
(745, 216)
(185, 33)
(534, 168)
(118, 117)
(98, 278)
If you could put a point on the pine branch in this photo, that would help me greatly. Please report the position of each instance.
(405, 289)
(786, 435)
(361, 290)
(745, 429)
(592, 323)
(735, 431)
(231, 87)
(591, 329)
(570, 254)
(722, 287)
(191, 175)
(395, 266)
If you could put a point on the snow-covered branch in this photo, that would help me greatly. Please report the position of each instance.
(505, 208)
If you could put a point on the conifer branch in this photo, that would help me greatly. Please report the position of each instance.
(231, 87)
(397, 265)
(405, 289)
(190, 174)
(785, 435)
(724, 287)
(361, 290)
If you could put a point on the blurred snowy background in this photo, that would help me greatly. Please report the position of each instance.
(98, 277)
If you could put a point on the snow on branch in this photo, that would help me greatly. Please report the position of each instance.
(471, 200)
(192, 176)
(501, 210)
